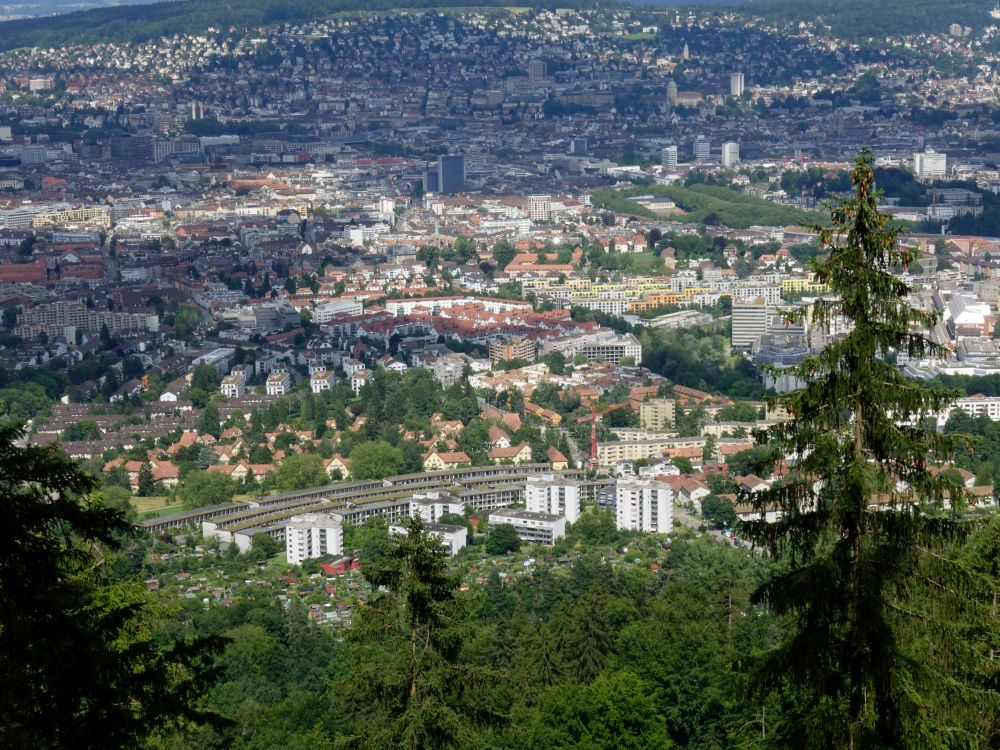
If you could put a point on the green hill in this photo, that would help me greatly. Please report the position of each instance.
(139, 23)
(861, 19)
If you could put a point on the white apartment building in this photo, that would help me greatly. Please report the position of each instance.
(321, 380)
(313, 535)
(644, 505)
(235, 383)
(552, 494)
(431, 505)
(539, 207)
(453, 538)
(279, 383)
(534, 528)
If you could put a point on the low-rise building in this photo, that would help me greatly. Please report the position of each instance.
(279, 383)
(235, 383)
(531, 527)
(453, 538)
(322, 380)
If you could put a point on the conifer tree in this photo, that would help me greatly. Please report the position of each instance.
(853, 528)
(410, 687)
(81, 665)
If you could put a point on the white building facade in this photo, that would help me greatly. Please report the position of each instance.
(313, 535)
(644, 505)
(554, 495)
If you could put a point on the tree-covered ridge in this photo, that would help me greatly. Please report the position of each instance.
(860, 19)
(139, 23)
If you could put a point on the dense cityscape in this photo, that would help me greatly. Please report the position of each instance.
(549, 288)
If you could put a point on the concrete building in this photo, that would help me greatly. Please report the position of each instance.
(430, 506)
(536, 70)
(451, 174)
(539, 207)
(657, 413)
(453, 538)
(736, 84)
(602, 345)
(235, 383)
(552, 494)
(338, 308)
(644, 505)
(702, 148)
(930, 164)
(513, 348)
(749, 322)
(279, 383)
(322, 380)
(534, 528)
(313, 535)
(668, 157)
(730, 154)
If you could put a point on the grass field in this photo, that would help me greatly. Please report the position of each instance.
(154, 502)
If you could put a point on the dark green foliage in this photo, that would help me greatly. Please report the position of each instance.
(859, 21)
(617, 712)
(700, 357)
(375, 460)
(406, 670)
(596, 528)
(844, 669)
(263, 546)
(79, 665)
(85, 429)
(502, 539)
(201, 488)
(718, 511)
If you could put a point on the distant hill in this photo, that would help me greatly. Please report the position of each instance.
(138, 23)
(860, 19)
(850, 19)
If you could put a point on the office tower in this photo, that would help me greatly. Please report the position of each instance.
(749, 322)
(668, 157)
(539, 207)
(736, 84)
(930, 164)
(451, 174)
(431, 183)
(730, 154)
(702, 147)
(686, 53)
(536, 70)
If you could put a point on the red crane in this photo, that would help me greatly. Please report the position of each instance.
(593, 418)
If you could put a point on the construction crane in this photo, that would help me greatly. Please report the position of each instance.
(596, 415)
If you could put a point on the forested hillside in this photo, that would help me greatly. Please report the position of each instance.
(858, 20)
(136, 23)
